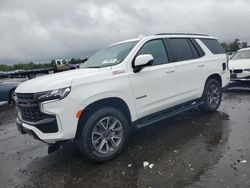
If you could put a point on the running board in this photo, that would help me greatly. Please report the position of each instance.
(166, 114)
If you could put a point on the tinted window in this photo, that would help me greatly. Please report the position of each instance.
(194, 51)
(214, 46)
(197, 47)
(157, 49)
(180, 49)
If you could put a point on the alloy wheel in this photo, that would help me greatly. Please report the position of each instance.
(107, 135)
(213, 95)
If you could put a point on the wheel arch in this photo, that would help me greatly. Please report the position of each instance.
(115, 102)
(215, 76)
(212, 76)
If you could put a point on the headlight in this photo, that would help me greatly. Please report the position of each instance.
(248, 70)
(54, 94)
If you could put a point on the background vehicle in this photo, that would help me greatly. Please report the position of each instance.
(2, 74)
(131, 83)
(62, 65)
(239, 65)
(56, 66)
(7, 91)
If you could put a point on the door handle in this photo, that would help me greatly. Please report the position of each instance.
(200, 66)
(170, 71)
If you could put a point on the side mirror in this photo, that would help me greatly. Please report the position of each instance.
(142, 61)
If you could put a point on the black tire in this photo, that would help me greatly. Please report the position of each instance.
(11, 99)
(86, 138)
(211, 96)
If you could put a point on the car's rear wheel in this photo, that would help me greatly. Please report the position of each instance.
(211, 96)
(104, 134)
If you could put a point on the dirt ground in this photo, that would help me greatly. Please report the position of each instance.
(191, 149)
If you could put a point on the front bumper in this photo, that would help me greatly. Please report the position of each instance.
(59, 122)
(45, 131)
(46, 125)
(23, 130)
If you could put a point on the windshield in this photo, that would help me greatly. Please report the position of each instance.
(242, 55)
(109, 56)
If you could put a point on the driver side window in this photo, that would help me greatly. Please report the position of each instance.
(157, 49)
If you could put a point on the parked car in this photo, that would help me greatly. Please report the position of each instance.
(239, 65)
(7, 91)
(2, 74)
(63, 65)
(133, 83)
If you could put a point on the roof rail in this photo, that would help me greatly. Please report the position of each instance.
(181, 34)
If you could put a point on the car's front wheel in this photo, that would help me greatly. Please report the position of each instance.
(211, 96)
(104, 134)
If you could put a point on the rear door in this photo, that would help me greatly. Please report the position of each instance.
(189, 65)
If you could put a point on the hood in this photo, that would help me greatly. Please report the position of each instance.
(239, 64)
(57, 80)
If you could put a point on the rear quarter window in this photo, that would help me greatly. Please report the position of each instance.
(214, 46)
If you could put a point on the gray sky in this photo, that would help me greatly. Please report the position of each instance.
(39, 30)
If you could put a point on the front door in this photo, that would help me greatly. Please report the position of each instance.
(155, 87)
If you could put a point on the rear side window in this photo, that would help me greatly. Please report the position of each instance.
(180, 49)
(157, 49)
(194, 51)
(214, 46)
(197, 47)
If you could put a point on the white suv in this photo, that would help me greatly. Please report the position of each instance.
(132, 83)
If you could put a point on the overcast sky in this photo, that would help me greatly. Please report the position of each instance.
(40, 30)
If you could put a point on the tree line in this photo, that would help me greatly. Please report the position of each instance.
(31, 65)
(234, 46)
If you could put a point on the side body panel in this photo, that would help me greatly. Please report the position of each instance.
(214, 65)
(155, 88)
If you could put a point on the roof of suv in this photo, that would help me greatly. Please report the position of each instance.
(189, 35)
(181, 34)
(176, 35)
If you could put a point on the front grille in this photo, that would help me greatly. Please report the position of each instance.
(25, 96)
(237, 71)
(29, 107)
(32, 115)
(28, 104)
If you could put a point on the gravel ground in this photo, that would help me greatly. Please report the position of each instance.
(191, 149)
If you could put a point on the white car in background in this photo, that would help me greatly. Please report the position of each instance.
(239, 65)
